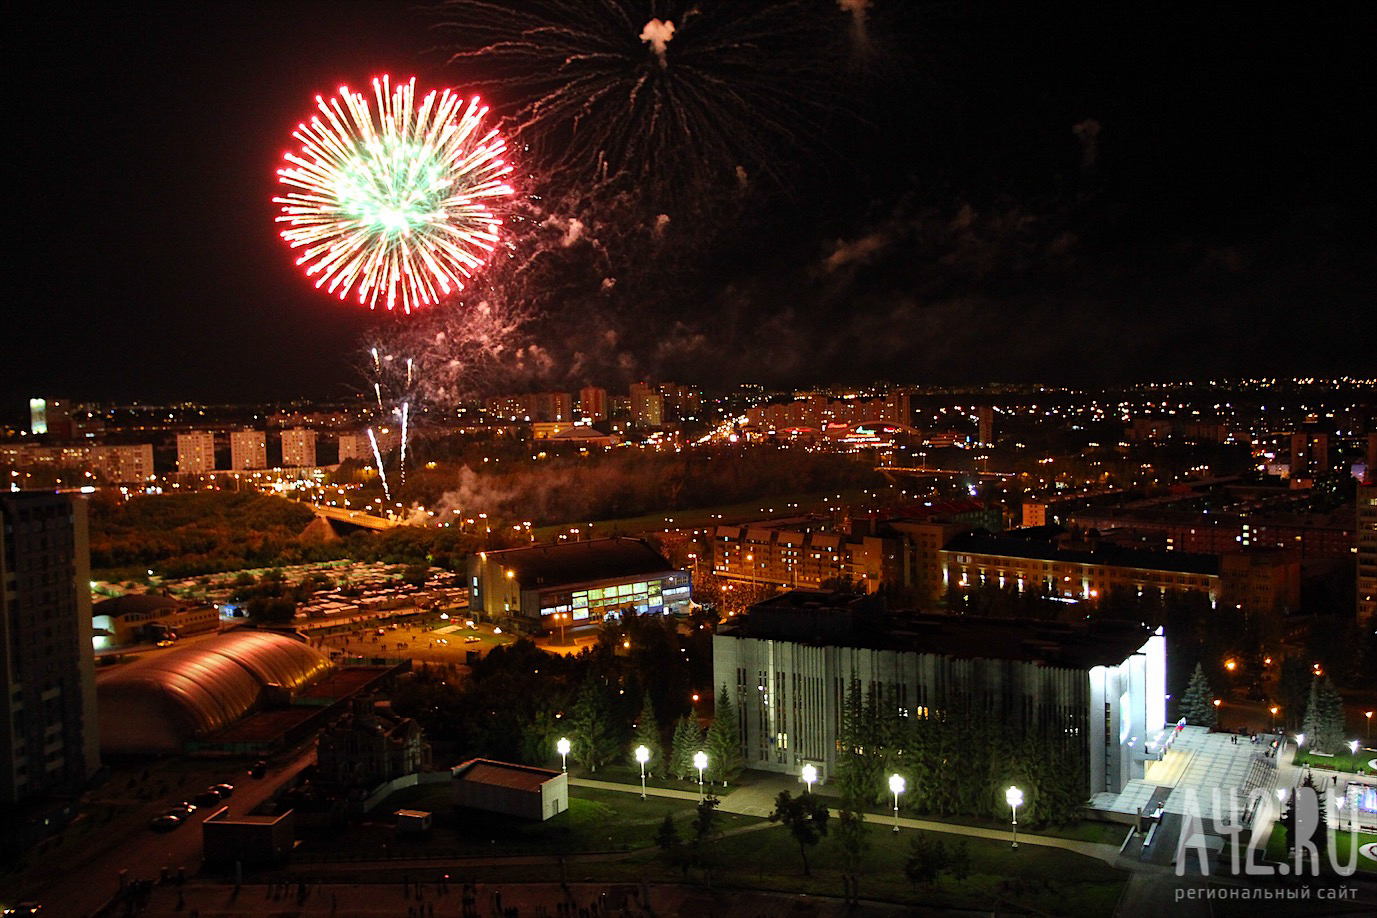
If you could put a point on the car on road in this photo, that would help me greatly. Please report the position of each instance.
(258, 769)
(21, 909)
(183, 809)
(166, 822)
(471, 639)
(226, 790)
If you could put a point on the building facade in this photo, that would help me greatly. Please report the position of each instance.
(801, 557)
(364, 748)
(299, 448)
(647, 406)
(196, 452)
(248, 450)
(592, 404)
(49, 739)
(1367, 553)
(575, 586)
(790, 662)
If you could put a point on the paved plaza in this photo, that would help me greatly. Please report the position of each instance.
(1202, 762)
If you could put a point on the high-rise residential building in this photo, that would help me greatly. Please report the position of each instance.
(299, 448)
(899, 407)
(48, 732)
(196, 452)
(1309, 453)
(248, 450)
(985, 421)
(354, 446)
(681, 403)
(126, 464)
(555, 407)
(592, 404)
(647, 406)
(50, 416)
(1367, 552)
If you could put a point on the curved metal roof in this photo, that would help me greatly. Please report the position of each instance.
(158, 703)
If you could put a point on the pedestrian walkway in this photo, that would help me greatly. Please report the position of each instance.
(758, 800)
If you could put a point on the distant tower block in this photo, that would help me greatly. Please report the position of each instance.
(985, 418)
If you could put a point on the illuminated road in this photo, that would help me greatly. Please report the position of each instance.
(353, 517)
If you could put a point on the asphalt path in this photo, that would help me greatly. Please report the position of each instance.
(73, 889)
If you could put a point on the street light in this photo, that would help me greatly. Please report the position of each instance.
(700, 762)
(1368, 715)
(563, 748)
(896, 786)
(1014, 797)
(1273, 709)
(810, 774)
(642, 756)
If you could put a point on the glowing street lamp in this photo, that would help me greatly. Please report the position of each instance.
(1368, 715)
(810, 774)
(1273, 709)
(1014, 797)
(700, 762)
(1353, 746)
(896, 787)
(642, 756)
(563, 748)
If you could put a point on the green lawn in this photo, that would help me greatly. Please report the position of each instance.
(595, 821)
(1343, 847)
(753, 854)
(1341, 761)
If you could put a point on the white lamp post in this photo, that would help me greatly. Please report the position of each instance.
(810, 774)
(642, 756)
(563, 748)
(896, 786)
(1014, 797)
(700, 762)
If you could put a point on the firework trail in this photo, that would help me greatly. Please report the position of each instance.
(394, 201)
(674, 98)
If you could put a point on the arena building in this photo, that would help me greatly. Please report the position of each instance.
(575, 585)
(166, 701)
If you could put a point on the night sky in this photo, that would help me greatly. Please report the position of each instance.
(954, 221)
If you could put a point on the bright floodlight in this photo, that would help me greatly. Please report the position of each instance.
(1353, 746)
(810, 774)
(1014, 796)
(896, 784)
(642, 754)
(1300, 740)
(562, 746)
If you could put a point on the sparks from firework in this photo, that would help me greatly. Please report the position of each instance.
(676, 98)
(394, 203)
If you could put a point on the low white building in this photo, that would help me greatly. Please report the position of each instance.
(516, 790)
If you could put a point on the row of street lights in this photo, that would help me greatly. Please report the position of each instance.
(1013, 796)
(700, 762)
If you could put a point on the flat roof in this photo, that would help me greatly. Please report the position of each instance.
(1103, 553)
(504, 774)
(833, 619)
(545, 566)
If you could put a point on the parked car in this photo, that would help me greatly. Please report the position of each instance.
(226, 790)
(166, 822)
(183, 809)
(208, 797)
(258, 769)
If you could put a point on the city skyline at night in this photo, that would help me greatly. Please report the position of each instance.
(1068, 198)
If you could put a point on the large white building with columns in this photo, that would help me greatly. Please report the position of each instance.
(790, 660)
